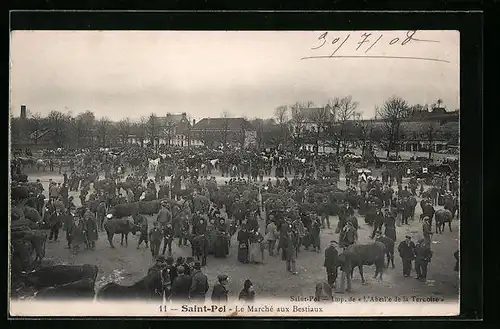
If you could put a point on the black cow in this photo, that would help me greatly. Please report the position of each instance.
(56, 275)
(81, 289)
(149, 287)
(121, 226)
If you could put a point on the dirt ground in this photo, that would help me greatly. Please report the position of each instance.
(126, 265)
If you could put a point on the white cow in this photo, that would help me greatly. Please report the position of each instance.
(153, 164)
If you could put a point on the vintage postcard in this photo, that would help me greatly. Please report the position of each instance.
(234, 173)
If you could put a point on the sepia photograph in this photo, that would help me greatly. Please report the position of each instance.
(234, 173)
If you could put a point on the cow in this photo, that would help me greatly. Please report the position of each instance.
(40, 163)
(81, 289)
(59, 274)
(389, 248)
(122, 226)
(442, 216)
(357, 255)
(153, 164)
(149, 287)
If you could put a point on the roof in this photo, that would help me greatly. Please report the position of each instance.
(233, 124)
(309, 113)
(39, 134)
(174, 118)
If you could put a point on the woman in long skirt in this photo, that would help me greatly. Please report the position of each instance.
(243, 246)
(255, 247)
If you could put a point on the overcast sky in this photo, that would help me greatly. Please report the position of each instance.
(134, 73)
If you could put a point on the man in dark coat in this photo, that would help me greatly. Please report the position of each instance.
(407, 253)
(55, 223)
(200, 248)
(378, 221)
(423, 255)
(143, 229)
(101, 214)
(219, 293)
(199, 284)
(90, 229)
(168, 236)
(315, 232)
(181, 286)
(155, 236)
(348, 235)
(331, 261)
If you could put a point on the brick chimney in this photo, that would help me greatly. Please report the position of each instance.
(23, 112)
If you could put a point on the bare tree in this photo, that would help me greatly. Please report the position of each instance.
(430, 136)
(103, 131)
(298, 118)
(321, 117)
(281, 114)
(140, 127)
(225, 126)
(58, 124)
(393, 112)
(84, 126)
(124, 126)
(35, 121)
(343, 110)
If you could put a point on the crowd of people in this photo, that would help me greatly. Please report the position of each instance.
(195, 208)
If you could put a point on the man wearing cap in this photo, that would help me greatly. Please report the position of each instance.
(290, 251)
(407, 253)
(101, 214)
(423, 255)
(143, 229)
(348, 236)
(155, 236)
(199, 284)
(331, 261)
(427, 229)
(168, 236)
(181, 286)
(164, 215)
(219, 293)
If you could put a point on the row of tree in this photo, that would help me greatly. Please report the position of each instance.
(84, 130)
(338, 124)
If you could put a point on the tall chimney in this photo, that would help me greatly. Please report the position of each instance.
(23, 112)
(194, 122)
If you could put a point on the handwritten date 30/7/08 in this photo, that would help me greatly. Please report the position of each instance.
(366, 41)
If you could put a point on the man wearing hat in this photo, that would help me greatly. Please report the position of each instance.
(199, 284)
(427, 229)
(164, 215)
(423, 255)
(331, 262)
(219, 293)
(155, 236)
(101, 214)
(407, 253)
(168, 236)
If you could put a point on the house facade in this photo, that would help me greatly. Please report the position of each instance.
(215, 131)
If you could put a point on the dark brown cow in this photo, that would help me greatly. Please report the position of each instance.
(121, 226)
(357, 255)
(149, 287)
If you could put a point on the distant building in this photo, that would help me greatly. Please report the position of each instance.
(236, 131)
(174, 129)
